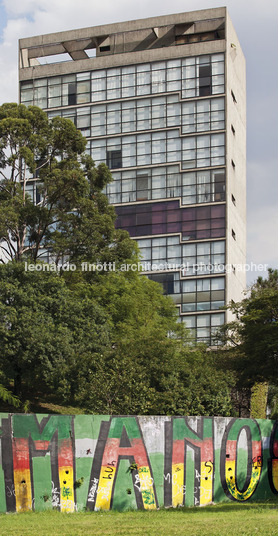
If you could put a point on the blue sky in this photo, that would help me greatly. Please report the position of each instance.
(256, 24)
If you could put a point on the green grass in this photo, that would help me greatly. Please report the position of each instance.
(219, 520)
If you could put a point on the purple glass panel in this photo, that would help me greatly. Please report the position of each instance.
(143, 219)
(217, 233)
(203, 234)
(143, 208)
(174, 227)
(159, 217)
(173, 205)
(159, 206)
(159, 229)
(188, 214)
(151, 218)
(128, 220)
(216, 224)
(124, 210)
(188, 226)
(173, 215)
(202, 224)
(218, 211)
(131, 230)
(203, 213)
(142, 230)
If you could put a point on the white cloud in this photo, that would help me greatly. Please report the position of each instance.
(109, 11)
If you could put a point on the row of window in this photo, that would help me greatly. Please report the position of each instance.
(204, 327)
(158, 148)
(202, 294)
(196, 223)
(166, 182)
(197, 76)
(199, 259)
(147, 114)
(193, 294)
(199, 295)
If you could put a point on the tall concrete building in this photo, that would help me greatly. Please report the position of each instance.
(162, 102)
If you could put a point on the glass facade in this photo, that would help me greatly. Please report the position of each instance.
(193, 77)
(160, 127)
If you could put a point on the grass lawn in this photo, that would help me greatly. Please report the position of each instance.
(219, 520)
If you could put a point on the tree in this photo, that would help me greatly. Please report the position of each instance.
(8, 397)
(254, 332)
(107, 344)
(252, 340)
(151, 367)
(70, 215)
(45, 330)
(126, 378)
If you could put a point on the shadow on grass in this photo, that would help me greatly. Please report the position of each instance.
(224, 507)
(227, 507)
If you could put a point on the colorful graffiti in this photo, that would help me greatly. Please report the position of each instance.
(94, 462)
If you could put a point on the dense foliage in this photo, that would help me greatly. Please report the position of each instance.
(252, 345)
(105, 341)
(103, 345)
(253, 335)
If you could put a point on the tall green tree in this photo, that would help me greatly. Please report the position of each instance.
(252, 342)
(70, 215)
(254, 332)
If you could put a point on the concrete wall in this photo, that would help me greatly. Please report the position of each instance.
(236, 176)
(101, 462)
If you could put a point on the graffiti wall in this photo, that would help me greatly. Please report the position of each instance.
(100, 462)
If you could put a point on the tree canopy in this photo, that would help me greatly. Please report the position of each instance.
(51, 192)
(253, 334)
(109, 345)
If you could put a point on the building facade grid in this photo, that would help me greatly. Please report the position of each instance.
(161, 127)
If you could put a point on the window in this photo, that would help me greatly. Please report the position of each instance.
(142, 187)
(83, 88)
(196, 223)
(233, 234)
(233, 164)
(233, 129)
(204, 80)
(203, 115)
(72, 94)
(219, 186)
(204, 258)
(203, 294)
(114, 159)
(203, 151)
(166, 280)
(204, 327)
(38, 195)
(203, 76)
(233, 200)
